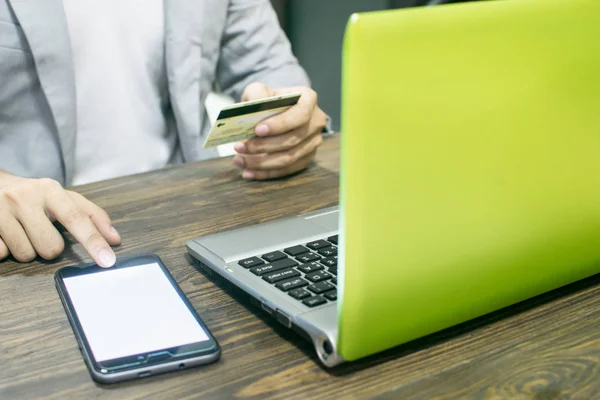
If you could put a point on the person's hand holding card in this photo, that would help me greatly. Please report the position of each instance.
(285, 143)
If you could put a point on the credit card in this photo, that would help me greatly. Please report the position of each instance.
(238, 122)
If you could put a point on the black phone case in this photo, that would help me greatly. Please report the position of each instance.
(142, 371)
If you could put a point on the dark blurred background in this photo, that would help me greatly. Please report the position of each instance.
(316, 29)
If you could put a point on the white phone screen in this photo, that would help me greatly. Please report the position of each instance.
(132, 310)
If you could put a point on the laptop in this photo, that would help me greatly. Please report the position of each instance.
(470, 179)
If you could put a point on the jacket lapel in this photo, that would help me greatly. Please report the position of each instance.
(45, 27)
(183, 51)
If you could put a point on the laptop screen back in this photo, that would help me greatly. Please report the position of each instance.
(470, 163)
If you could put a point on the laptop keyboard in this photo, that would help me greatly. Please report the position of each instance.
(308, 272)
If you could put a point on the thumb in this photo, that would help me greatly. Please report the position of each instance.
(256, 91)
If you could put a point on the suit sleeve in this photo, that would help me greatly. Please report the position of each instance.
(254, 48)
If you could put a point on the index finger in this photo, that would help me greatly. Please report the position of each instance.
(76, 221)
(296, 116)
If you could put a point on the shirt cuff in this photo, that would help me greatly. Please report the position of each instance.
(327, 130)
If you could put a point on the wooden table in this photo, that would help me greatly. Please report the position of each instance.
(548, 348)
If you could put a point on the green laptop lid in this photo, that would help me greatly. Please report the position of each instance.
(470, 163)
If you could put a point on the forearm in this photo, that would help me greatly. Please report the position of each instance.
(255, 49)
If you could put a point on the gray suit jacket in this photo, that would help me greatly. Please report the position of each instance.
(230, 43)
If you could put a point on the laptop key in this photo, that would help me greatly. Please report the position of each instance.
(281, 275)
(318, 276)
(274, 256)
(263, 269)
(329, 262)
(310, 267)
(286, 263)
(333, 239)
(250, 262)
(291, 284)
(332, 270)
(276, 266)
(334, 281)
(308, 257)
(318, 244)
(321, 287)
(296, 250)
(314, 301)
(300, 293)
(328, 252)
(331, 295)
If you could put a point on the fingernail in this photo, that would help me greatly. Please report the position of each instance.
(107, 258)
(262, 129)
(240, 147)
(248, 175)
(239, 161)
(113, 230)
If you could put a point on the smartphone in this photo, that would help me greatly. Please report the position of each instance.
(238, 121)
(133, 320)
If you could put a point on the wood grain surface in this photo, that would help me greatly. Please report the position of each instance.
(546, 348)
